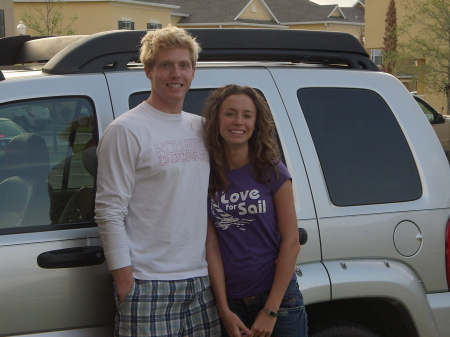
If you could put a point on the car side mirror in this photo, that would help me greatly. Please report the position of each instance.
(440, 119)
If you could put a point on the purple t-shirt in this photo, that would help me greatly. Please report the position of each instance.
(246, 224)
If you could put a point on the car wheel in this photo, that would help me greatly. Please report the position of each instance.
(344, 331)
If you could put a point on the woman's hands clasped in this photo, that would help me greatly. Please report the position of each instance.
(235, 327)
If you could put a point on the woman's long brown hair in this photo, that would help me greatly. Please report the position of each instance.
(263, 148)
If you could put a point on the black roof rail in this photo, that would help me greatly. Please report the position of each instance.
(110, 50)
(9, 47)
(283, 46)
(44, 49)
(113, 50)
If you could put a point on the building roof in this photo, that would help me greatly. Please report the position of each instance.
(279, 12)
(303, 11)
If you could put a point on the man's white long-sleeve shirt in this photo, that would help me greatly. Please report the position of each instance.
(151, 203)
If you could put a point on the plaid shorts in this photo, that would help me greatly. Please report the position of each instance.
(168, 309)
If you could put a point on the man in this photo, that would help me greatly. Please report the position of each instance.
(151, 201)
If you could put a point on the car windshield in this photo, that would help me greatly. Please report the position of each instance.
(9, 129)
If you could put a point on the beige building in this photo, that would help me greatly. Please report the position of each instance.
(375, 25)
(100, 15)
(7, 26)
(274, 14)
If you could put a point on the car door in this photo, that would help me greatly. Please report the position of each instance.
(53, 272)
(313, 279)
(358, 136)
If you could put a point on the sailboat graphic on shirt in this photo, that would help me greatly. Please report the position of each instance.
(226, 220)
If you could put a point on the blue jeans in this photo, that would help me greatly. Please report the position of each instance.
(291, 320)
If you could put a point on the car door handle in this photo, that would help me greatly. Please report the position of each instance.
(303, 236)
(71, 257)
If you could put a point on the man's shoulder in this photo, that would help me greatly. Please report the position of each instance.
(195, 120)
(193, 116)
(138, 109)
(132, 116)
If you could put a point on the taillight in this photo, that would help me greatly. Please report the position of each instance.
(447, 253)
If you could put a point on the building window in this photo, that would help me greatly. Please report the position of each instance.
(377, 56)
(2, 23)
(128, 25)
(152, 25)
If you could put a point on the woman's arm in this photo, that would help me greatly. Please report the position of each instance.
(289, 249)
(233, 324)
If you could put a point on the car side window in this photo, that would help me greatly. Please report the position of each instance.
(193, 101)
(428, 113)
(362, 150)
(47, 163)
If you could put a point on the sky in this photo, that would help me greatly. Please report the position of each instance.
(342, 3)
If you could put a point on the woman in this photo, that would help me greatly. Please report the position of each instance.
(252, 243)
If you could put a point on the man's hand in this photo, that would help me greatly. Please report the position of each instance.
(124, 280)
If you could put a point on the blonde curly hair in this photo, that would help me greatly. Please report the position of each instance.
(170, 36)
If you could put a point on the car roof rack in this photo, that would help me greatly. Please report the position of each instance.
(113, 50)
(9, 47)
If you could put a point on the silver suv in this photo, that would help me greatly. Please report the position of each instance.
(371, 182)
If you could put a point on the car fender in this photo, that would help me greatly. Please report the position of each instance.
(314, 282)
(383, 279)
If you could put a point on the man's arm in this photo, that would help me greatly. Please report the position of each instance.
(115, 183)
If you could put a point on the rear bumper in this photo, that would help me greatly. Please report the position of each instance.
(440, 305)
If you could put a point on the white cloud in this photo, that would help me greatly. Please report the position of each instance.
(342, 3)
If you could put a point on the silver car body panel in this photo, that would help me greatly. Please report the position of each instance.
(439, 304)
(36, 300)
(89, 332)
(314, 283)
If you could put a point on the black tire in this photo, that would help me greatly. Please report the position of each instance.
(344, 331)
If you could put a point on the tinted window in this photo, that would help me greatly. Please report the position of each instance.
(48, 165)
(193, 102)
(363, 153)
